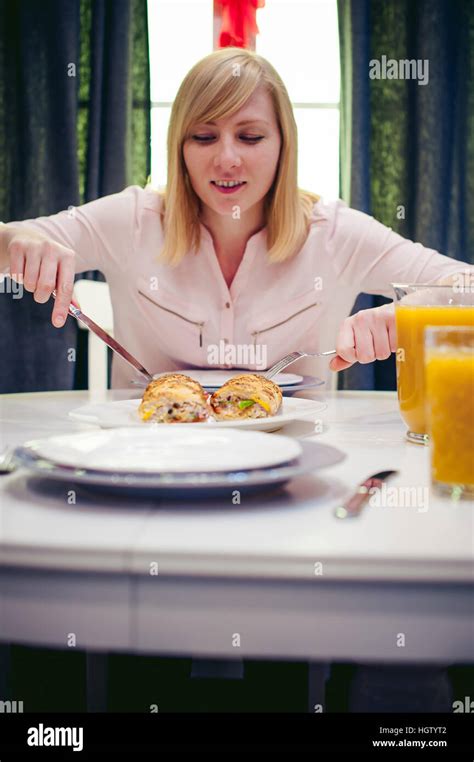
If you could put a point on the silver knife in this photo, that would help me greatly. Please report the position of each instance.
(354, 505)
(108, 339)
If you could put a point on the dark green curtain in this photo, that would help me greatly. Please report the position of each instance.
(74, 125)
(38, 173)
(407, 150)
(113, 115)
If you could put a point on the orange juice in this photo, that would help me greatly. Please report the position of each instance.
(411, 320)
(450, 414)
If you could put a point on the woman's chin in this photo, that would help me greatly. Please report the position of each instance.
(225, 206)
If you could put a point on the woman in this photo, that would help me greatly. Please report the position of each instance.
(262, 266)
(204, 274)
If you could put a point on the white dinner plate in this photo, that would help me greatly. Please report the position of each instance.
(215, 378)
(125, 486)
(117, 414)
(307, 382)
(164, 449)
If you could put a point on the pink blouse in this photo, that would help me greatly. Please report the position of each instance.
(186, 316)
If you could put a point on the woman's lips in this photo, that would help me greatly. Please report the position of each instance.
(221, 188)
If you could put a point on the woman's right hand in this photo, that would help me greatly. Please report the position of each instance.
(43, 265)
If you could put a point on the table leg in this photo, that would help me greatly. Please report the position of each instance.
(401, 688)
(227, 669)
(96, 681)
(318, 674)
(5, 671)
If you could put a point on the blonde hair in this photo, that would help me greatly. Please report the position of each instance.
(216, 87)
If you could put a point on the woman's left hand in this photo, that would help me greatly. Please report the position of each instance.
(366, 336)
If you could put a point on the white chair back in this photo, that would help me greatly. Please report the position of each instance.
(94, 299)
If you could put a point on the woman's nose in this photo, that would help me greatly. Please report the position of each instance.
(227, 156)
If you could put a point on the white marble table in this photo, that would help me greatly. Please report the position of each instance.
(274, 577)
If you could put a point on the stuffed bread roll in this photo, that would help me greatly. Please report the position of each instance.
(174, 398)
(246, 396)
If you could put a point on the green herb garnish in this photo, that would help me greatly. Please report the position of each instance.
(246, 403)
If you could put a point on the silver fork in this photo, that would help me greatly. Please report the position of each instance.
(291, 358)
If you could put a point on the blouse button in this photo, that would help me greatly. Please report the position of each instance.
(227, 304)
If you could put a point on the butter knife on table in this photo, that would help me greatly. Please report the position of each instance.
(354, 505)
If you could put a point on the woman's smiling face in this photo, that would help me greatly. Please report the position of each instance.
(244, 147)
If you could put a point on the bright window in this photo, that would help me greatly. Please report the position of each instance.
(299, 37)
(180, 33)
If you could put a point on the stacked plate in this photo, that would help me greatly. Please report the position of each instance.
(174, 461)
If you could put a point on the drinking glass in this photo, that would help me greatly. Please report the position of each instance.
(449, 374)
(416, 307)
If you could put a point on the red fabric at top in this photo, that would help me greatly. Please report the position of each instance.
(238, 22)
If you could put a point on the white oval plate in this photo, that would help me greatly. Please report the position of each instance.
(166, 449)
(188, 486)
(117, 414)
(215, 378)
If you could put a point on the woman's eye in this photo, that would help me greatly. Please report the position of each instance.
(245, 138)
